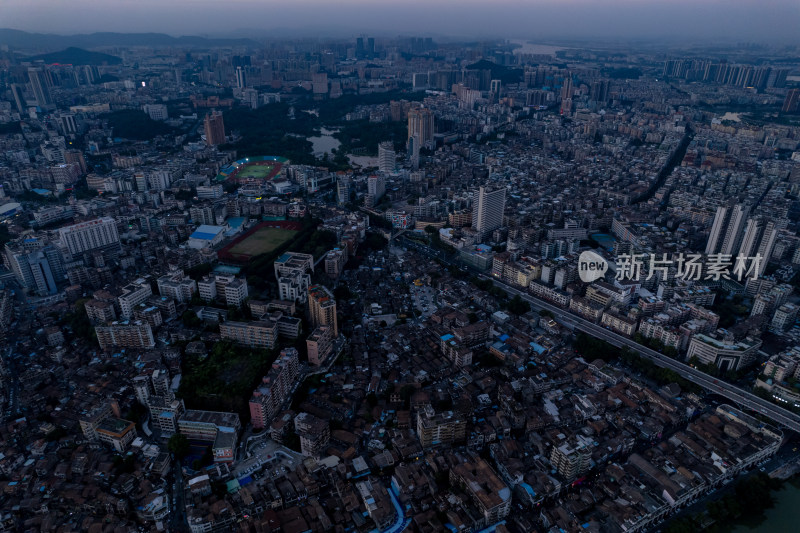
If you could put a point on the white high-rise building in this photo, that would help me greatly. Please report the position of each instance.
(376, 187)
(241, 78)
(759, 239)
(727, 229)
(420, 125)
(386, 157)
(40, 87)
(487, 210)
(100, 233)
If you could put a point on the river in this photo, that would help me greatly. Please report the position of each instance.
(528, 47)
(782, 517)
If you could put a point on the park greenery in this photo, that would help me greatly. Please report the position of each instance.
(135, 124)
(224, 379)
(282, 128)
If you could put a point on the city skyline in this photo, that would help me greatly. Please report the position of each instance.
(708, 21)
(321, 278)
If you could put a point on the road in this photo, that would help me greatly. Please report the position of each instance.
(12, 409)
(177, 517)
(741, 397)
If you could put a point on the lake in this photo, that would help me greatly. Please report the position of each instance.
(325, 142)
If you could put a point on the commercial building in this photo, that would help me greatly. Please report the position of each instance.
(723, 351)
(487, 210)
(98, 234)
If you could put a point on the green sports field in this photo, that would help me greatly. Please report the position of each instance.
(262, 241)
(255, 171)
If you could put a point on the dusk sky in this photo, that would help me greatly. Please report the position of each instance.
(733, 20)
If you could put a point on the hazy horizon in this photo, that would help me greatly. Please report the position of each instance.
(771, 21)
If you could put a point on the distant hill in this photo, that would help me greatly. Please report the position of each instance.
(48, 41)
(77, 56)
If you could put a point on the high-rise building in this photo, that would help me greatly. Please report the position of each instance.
(215, 128)
(322, 308)
(376, 188)
(319, 345)
(97, 234)
(487, 210)
(727, 229)
(19, 99)
(37, 268)
(759, 239)
(386, 157)
(275, 387)
(566, 95)
(241, 78)
(420, 125)
(40, 87)
(413, 152)
(792, 101)
(343, 190)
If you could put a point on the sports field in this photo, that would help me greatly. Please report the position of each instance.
(255, 171)
(262, 241)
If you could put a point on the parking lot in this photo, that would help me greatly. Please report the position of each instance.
(424, 300)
